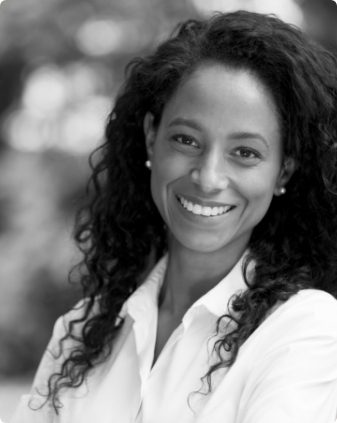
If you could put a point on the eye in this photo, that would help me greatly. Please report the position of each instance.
(246, 153)
(185, 140)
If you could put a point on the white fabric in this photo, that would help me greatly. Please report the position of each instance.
(286, 372)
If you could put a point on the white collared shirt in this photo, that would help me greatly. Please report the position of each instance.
(286, 372)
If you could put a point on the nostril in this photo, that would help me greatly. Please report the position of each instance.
(211, 176)
(195, 175)
(209, 185)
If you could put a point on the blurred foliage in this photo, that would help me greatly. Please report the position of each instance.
(320, 17)
(61, 63)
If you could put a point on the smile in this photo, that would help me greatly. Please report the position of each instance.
(198, 209)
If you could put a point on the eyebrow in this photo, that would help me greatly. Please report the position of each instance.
(187, 122)
(248, 135)
(234, 135)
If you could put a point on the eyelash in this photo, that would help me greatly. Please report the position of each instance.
(184, 137)
(256, 155)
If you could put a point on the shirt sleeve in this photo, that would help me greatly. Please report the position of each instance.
(30, 409)
(294, 375)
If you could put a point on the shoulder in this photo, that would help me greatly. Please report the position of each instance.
(315, 296)
(309, 314)
(75, 319)
(308, 302)
(289, 364)
(60, 346)
(72, 323)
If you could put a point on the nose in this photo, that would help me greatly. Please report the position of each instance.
(211, 173)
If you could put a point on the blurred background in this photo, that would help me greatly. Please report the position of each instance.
(61, 64)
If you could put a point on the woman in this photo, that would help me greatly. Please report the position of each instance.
(210, 243)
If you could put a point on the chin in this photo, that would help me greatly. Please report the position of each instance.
(202, 244)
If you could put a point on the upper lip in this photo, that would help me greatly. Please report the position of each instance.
(203, 203)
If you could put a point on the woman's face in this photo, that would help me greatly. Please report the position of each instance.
(216, 159)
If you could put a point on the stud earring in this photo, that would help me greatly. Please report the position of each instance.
(282, 190)
(148, 164)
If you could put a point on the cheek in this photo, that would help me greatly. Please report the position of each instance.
(165, 172)
(259, 191)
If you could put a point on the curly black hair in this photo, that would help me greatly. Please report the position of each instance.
(120, 231)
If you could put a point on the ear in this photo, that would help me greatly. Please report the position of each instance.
(150, 133)
(288, 168)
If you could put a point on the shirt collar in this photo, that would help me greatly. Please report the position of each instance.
(215, 300)
(146, 296)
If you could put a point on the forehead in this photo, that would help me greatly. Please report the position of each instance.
(226, 98)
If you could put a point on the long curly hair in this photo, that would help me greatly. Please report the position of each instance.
(120, 231)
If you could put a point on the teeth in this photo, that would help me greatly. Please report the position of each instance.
(215, 211)
(196, 209)
(205, 211)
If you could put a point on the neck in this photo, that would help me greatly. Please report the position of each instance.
(191, 274)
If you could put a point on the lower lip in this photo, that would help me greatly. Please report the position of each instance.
(199, 218)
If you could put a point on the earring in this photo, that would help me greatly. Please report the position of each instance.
(282, 190)
(148, 164)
